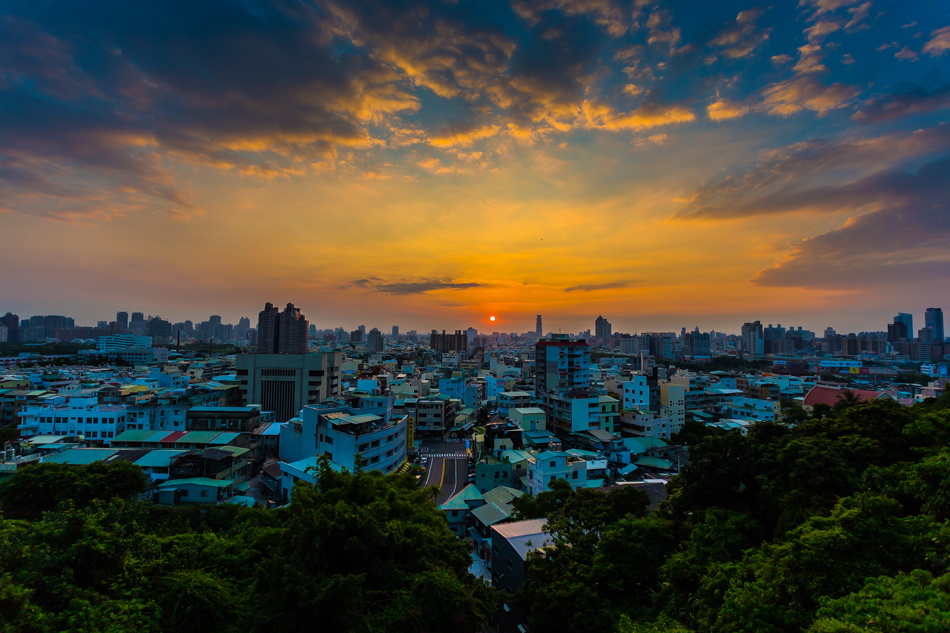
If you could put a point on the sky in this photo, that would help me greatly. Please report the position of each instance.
(428, 164)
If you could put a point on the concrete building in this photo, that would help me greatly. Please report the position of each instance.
(119, 342)
(281, 332)
(602, 329)
(74, 415)
(561, 364)
(933, 321)
(673, 405)
(285, 383)
(511, 543)
(443, 342)
(341, 433)
(374, 342)
(636, 393)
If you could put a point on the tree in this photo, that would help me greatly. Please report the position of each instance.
(915, 602)
(37, 488)
(356, 549)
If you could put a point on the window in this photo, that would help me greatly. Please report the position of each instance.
(553, 464)
(204, 493)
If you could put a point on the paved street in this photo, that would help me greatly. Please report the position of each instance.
(446, 467)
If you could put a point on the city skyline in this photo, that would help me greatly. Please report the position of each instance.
(664, 164)
(493, 326)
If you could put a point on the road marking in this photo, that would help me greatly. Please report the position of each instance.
(443, 476)
(449, 455)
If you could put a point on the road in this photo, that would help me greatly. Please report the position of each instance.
(447, 467)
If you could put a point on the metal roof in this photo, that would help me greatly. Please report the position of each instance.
(133, 436)
(161, 458)
(196, 481)
(223, 438)
(81, 456)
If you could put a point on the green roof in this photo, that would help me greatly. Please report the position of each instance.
(237, 450)
(161, 458)
(198, 437)
(81, 456)
(133, 436)
(224, 438)
(158, 435)
(196, 481)
(459, 501)
(654, 462)
(502, 495)
(492, 513)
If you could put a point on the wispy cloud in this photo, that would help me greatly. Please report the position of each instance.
(610, 285)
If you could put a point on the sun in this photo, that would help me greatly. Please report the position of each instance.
(492, 318)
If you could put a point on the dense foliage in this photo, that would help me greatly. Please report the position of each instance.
(838, 523)
(359, 552)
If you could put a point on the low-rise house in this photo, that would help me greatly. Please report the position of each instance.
(510, 545)
(194, 490)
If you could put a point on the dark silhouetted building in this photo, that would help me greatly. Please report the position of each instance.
(281, 332)
(457, 342)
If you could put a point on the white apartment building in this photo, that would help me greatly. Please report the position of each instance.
(74, 415)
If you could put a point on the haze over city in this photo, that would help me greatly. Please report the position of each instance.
(665, 164)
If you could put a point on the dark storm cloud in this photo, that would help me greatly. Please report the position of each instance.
(905, 239)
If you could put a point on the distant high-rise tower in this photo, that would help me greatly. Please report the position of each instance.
(602, 329)
(294, 329)
(395, 331)
(281, 332)
(538, 330)
(12, 323)
(137, 317)
(122, 318)
(443, 342)
(908, 320)
(933, 321)
(267, 329)
(753, 340)
(374, 341)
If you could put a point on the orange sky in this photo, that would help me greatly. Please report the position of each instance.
(669, 169)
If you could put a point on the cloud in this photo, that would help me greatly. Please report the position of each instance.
(422, 287)
(905, 241)
(794, 178)
(611, 285)
(741, 38)
(909, 100)
(603, 117)
(789, 97)
(723, 110)
(939, 42)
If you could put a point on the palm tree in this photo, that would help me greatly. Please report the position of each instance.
(847, 398)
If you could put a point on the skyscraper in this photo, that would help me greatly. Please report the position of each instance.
(908, 320)
(12, 323)
(538, 329)
(374, 341)
(122, 318)
(281, 332)
(267, 327)
(294, 327)
(602, 329)
(933, 320)
(753, 341)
